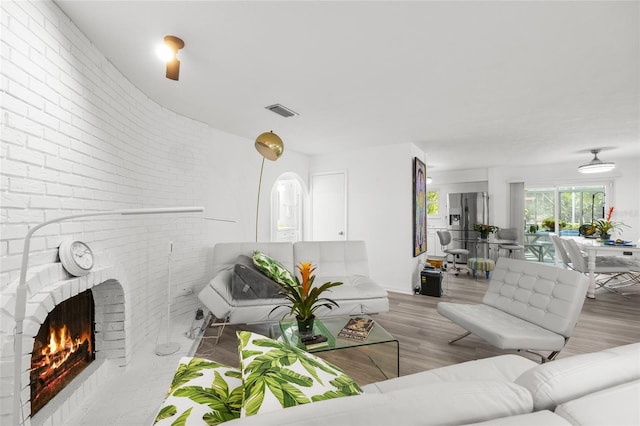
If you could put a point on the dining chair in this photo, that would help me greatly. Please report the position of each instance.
(613, 269)
(445, 240)
(561, 251)
(508, 240)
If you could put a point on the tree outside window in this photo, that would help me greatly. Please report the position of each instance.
(433, 203)
(576, 206)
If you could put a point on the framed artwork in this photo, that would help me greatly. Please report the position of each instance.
(419, 207)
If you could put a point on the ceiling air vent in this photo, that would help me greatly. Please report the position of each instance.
(281, 110)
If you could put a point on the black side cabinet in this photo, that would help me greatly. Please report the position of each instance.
(431, 282)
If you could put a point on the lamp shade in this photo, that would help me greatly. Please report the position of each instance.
(596, 165)
(173, 44)
(269, 145)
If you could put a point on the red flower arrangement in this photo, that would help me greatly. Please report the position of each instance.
(606, 225)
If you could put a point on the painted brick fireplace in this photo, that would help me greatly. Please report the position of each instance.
(48, 286)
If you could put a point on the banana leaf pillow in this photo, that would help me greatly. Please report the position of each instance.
(273, 269)
(202, 392)
(276, 376)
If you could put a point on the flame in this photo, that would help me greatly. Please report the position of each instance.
(60, 342)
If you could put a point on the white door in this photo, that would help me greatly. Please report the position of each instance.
(329, 206)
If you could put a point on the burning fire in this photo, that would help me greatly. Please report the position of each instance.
(61, 346)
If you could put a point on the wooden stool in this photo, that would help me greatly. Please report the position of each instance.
(481, 264)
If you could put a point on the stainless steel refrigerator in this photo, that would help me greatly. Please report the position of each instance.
(466, 209)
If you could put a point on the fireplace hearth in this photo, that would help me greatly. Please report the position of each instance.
(50, 286)
(63, 348)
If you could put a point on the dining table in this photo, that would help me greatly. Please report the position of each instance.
(480, 247)
(539, 245)
(594, 247)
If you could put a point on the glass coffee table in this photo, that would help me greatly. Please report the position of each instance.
(380, 349)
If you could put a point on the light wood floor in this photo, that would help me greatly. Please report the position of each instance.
(607, 321)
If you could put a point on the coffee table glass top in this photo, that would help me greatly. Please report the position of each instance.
(329, 327)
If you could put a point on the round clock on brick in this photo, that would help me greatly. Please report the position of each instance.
(76, 257)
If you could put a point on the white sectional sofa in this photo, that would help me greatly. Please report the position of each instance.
(600, 388)
(344, 261)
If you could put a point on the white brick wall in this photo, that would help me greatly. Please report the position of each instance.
(77, 136)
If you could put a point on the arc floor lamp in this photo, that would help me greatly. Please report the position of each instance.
(271, 147)
(21, 291)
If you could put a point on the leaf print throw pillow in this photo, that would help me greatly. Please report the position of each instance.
(276, 375)
(202, 392)
(273, 269)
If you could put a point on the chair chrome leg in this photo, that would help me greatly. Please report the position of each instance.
(551, 356)
(462, 336)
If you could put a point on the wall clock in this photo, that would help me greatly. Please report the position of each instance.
(76, 257)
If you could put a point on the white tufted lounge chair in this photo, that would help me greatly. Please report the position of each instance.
(528, 306)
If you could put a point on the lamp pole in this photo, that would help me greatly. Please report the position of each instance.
(270, 146)
(21, 291)
(258, 201)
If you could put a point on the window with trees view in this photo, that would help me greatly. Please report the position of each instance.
(433, 203)
(575, 206)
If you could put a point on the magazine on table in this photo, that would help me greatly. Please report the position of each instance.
(357, 328)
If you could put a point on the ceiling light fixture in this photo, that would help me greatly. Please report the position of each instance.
(596, 165)
(168, 52)
(429, 179)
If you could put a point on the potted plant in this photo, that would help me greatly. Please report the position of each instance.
(305, 299)
(606, 226)
(485, 230)
(550, 224)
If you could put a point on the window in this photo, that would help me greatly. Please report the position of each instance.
(570, 207)
(286, 208)
(433, 203)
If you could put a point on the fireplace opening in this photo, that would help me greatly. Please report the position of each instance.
(63, 348)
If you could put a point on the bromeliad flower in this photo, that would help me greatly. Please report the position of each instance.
(303, 296)
(606, 225)
(306, 269)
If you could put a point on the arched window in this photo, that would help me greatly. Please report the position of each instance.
(287, 200)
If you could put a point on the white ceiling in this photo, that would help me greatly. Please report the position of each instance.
(471, 83)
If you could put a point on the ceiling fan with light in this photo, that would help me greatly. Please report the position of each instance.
(168, 52)
(596, 165)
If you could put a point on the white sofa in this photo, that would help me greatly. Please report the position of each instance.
(344, 261)
(600, 388)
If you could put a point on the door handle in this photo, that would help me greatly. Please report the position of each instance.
(341, 233)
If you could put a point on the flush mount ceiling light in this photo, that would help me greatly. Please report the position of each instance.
(596, 165)
(429, 179)
(168, 52)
